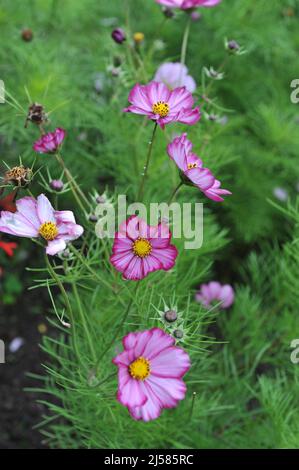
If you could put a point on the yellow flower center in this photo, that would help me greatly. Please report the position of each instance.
(192, 165)
(48, 230)
(161, 108)
(142, 247)
(140, 368)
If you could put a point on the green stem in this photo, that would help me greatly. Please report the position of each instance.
(185, 40)
(118, 329)
(192, 405)
(174, 192)
(76, 190)
(145, 170)
(66, 301)
(83, 319)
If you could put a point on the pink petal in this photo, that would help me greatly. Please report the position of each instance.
(132, 393)
(65, 216)
(121, 260)
(16, 224)
(152, 342)
(171, 362)
(150, 410)
(151, 264)
(158, 91)
(134, 270)
(138, 97)
(45, 210)
(27, 207)
(201, 177)
(180, 99)
(169, 390)
(55, 246)
(166, 256)
(189, 116)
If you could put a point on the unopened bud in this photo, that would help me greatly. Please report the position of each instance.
(118, 35)
(178, 334)
(170, 316)
(27, 35)
(57, 185)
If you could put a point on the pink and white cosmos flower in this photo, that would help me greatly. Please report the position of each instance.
(150, 371)
(215, 292)
(163, 105)
(175, 74)
(36, 218)
(50, 143)
(187, 4)
(191, 167)
(140, 249)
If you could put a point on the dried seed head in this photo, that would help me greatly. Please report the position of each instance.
(36, 114)
(19, 176)
(170, 316)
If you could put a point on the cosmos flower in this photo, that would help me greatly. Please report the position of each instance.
(50, 143)
(215, 292)
(187, 4)
(36, 218)
(175, 74)
(150, 371)
(163, 105)
(191, 167)
(140, 249)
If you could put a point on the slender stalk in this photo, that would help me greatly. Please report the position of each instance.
(66, 301)
(77, 192)
(118, 329)
(148, 157)
(192, 405)
(84, 323)
(174, 192)
(185, 40)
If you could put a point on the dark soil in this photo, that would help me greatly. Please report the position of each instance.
(19, 411)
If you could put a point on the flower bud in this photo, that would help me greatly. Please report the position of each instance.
(170, 316)
(233, 46)
(93, 218)
(195, 15)
(168, 12)
(36, 114)
(101, 199)
(178, 334)
(56, 185)
(138, 38)
(27, 35)
(118, 35)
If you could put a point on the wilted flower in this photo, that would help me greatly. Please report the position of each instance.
(192, 170)
(188, 4)
(7, 203)
(174, 75)
(215, 292)
(118, 35)
(50, 143)
(140, 249)
(19, 176)
(37, 218)
(150, 371)
(163, 105)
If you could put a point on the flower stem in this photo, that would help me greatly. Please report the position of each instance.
(149, 153)
(118, 329)
(76, 190)
(185, 40)
(83, 319)
(174, 192)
